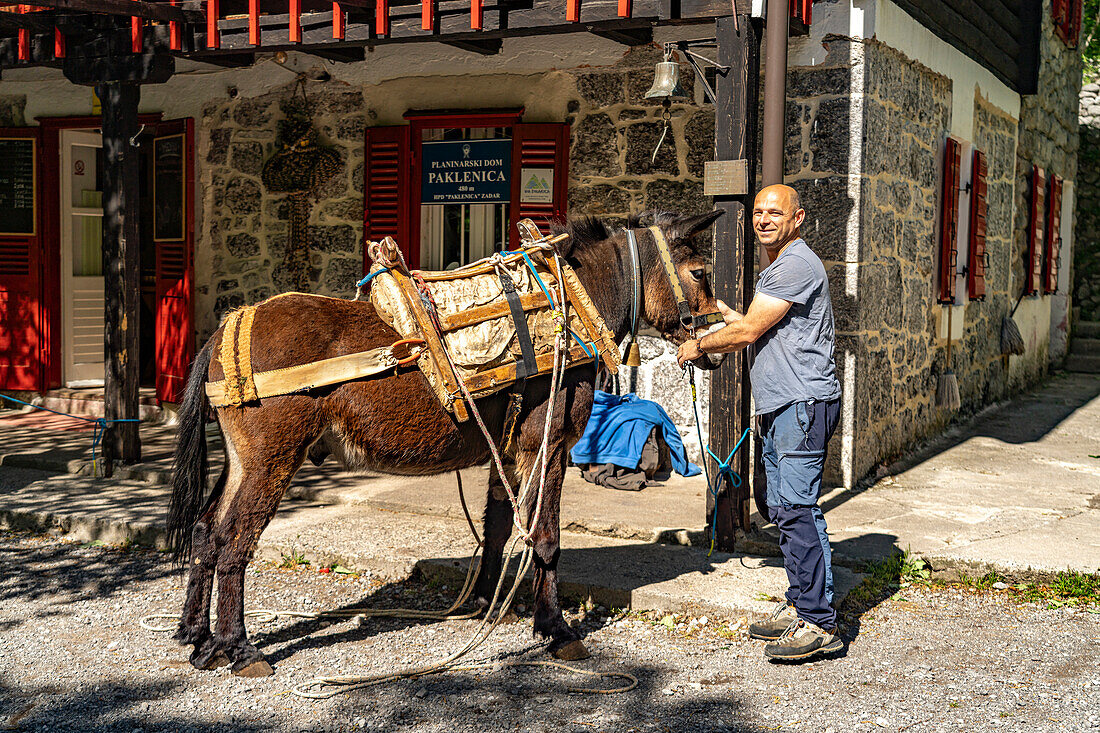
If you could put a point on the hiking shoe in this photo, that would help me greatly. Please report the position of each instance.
(803, 640)
(772, 628)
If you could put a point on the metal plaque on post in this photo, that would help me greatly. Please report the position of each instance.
(726, 178)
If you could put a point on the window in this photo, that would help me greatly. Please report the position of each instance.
(1067, 20)
(949, 220)
(976, 257)
(450, 187)
(1053, 236)
(1036, 217)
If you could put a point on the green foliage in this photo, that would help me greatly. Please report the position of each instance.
(1067, 588)
(1090, 40)
(293, 559)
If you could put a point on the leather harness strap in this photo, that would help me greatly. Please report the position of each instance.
(527, 366)
(686, 318)
(303, 377)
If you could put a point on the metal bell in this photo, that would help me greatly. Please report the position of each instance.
(633, 355)
(666, 82)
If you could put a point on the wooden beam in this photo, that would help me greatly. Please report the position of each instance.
(485, 47)
(295, 21)
(10, 21)
(735, 112)
(162, 12)
(627, 36)
(121, 271)
(343, 54)
(339, 22)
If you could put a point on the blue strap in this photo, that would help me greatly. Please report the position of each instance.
(538, 279)
(101, 423)
(363, 283)
(724, 472)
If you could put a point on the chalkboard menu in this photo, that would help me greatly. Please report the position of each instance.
(169, 189)
(17, 186)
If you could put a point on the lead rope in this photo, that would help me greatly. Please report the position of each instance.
(724, 470)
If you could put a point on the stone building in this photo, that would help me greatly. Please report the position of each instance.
(873, 91)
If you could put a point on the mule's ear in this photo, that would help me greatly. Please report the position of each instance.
(686, 227)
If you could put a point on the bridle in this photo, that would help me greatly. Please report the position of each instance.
(690, 322)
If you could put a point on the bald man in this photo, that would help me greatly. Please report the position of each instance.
(788, 330)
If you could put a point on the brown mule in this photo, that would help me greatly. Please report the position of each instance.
(394, 423)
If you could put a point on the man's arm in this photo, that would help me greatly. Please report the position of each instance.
(764, 312)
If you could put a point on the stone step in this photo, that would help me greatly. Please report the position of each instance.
(1084, 345)
(1087, 363)
(1087, 329)
(89, 403)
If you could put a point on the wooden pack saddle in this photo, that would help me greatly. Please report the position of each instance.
(467, 312)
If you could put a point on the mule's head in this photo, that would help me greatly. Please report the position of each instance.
(690, 245)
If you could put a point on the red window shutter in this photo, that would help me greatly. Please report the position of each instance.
(23, 339)
(979, 206)
(1034, 264)
(539, 147)
(175, 316)
(949, 220)
(386, 190)
(1066, 16)
(1053, 236)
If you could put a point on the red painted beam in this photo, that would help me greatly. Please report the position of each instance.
(477, 14)
(137, 34)
(295, 21)
(626, 8)
(339, 22)
(175, 33)
(573, 11)
(254, 22)
(24, 50)
(382, 17)
(59, 48)
(427, 15)
(213, 13)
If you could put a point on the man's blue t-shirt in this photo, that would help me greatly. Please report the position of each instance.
(793, 361)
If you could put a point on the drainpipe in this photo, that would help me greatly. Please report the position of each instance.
(775, 92)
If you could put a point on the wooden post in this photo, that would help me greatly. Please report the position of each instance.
(734, 139)
(121, 270)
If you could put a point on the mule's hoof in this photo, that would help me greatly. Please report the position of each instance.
(572, 652)
(217, 660)
(259, 668)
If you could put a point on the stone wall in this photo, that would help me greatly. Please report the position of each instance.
(1086, 249)
(1048, 137)
(244, 227)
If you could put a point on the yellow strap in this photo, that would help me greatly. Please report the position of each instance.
(228, 358)
(670, 269)
(308, 376)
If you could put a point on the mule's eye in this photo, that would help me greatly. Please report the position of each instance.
(699, 273)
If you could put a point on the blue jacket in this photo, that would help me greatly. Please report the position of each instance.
(620, 426)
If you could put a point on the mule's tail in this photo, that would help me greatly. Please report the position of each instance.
(189, 468)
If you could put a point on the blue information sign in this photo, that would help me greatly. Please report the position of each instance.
(466, 172)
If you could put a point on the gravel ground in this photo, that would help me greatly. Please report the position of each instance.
(73, 658)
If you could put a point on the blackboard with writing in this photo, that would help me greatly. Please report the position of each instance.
(169, 189)
(17, 186)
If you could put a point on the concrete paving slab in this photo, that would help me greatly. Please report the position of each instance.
(1018, 488)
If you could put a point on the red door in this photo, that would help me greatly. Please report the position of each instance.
(173, 234)
(22, 337)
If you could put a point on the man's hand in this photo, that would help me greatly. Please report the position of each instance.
(689, 351)
(729, 315)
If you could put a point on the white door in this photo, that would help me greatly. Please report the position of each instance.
(81, 258)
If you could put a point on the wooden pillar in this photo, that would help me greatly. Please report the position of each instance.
(121, 270)
(734, 139)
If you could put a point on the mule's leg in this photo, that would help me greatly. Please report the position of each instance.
(497, 528)
(194, 625)
(565, 642)
(246, 516)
